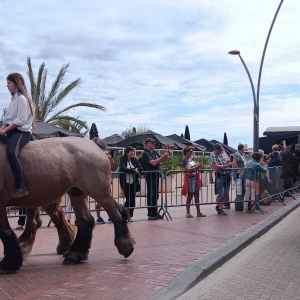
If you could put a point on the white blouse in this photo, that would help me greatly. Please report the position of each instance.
(19, 113)
(129, 177)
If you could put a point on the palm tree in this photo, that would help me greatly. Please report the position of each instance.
(74, 126)
(47, 106)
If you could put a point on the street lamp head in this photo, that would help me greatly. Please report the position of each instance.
(234, 52)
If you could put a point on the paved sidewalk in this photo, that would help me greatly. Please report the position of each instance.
(163, 250)
(269, 268)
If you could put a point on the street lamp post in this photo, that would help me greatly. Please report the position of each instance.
(256, 96)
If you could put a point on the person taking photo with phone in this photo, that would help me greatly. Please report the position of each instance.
(192, 182)
(151, 162)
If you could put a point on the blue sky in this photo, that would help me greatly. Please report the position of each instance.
(163, 63)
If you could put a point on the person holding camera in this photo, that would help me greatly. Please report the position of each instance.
(220, 162)
(192, 182)
(151, 162)
(129, 181)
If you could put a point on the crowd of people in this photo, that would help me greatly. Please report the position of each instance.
(150, 164)
(247, 172)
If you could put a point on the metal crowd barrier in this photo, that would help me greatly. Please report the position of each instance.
(208, 192)
(141, 196)
(267, 189)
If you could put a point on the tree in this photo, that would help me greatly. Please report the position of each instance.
(48, 105)
(133, 131)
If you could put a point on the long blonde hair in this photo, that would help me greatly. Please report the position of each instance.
(18, 79)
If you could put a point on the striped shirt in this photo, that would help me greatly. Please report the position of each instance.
(221, 159)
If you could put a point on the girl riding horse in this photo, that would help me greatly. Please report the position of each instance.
(17, 125)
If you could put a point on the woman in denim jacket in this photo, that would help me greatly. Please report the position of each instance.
(251, 175)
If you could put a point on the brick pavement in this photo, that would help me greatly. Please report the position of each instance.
(269, 268)
(162, 251)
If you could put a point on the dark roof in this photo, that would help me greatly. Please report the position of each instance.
(228, 148)
(275, 135)
(137, 141)
(282, 129)
(113, 139)
(186, 142)
(45, 130)
(207, 144)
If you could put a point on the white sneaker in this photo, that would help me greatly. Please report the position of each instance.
(19, 227)
(245, 210)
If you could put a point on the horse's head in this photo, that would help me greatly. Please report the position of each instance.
(290, 160)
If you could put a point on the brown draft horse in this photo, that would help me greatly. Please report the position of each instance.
(51, 168)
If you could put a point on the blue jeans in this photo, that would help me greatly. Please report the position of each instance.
(223, 186)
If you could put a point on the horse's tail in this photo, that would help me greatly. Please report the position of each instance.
(100, 143)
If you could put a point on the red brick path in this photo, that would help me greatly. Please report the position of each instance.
(163, 250)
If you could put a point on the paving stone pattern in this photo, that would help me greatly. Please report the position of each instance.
(269, 268)
(163, 250)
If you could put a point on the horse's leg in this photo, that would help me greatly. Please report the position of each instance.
(12, 260)
(33, 223)
(119, 216)
(85, 223)
(66, 231)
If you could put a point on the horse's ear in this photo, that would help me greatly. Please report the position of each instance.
(292, 148)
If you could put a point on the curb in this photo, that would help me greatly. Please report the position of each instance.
(207, 264)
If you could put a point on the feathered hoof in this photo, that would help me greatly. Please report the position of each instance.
(124, 249)
(8, 267)
(62, 249)
(7, 271)
(73, 258)
(129, 252)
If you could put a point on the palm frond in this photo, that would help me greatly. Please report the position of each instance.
(84, 133)
(58, 81)
(59, 119)
(43, 95)
(99, 107)
(62, 94)
(36, 98)
(39, 80)
(31, 77)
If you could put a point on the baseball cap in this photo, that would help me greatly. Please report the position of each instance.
(149, 140)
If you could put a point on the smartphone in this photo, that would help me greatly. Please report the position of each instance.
(265, 158)
(169, 151)
(231, 158)
(112, 153)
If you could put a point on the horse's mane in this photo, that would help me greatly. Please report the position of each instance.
(286, 152)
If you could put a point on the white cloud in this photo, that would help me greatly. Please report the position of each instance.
(163, 63)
